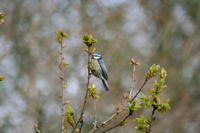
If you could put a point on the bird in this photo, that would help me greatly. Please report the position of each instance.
(99, 69)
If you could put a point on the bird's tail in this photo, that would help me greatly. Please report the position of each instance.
(105, 84)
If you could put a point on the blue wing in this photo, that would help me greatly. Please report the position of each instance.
(104, 70)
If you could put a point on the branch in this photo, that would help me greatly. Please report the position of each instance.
(86, 95)
(152, 118)
(132, 81)
(36, 128)
(119, 111)
(119, 124)
(63, 86)
(95, 110)
(133, 63)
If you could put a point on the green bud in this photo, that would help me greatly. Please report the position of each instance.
(60, 35)
(89, 40)
(163, 73)
(65, 64)
(2, 77)
(61, 77)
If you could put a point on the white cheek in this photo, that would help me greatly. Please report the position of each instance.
(96, 58)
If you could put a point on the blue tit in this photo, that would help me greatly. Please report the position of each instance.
(99, 69)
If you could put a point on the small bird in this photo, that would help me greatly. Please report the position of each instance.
(99, 69)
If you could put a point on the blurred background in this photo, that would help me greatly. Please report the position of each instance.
(154, 31)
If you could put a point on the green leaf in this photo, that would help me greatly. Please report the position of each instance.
(151, 90)
(89, 40)
(163, 73)
(93, 91)
(167, 100)
(141, 124)
(153, 70)
(85, 49)
(93, 50)
(124, 122)
(69, 114)
(134, 105)
(93, 85)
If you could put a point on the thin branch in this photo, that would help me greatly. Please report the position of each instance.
(36, 128)
(130, 111)
(86, 95)
(95, 110)
(119, 111)
(152, 119)
(119, 124)
(63, 86)
(133, 73)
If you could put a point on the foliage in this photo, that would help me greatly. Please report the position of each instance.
(60, 35)
(69, 116)
(153, 100)
(134, 105)
(153, 70)
(93, 91)
(89, 40)
(141, 124)
(124, 122)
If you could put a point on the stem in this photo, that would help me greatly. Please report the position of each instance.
(62, 80)
(119, 124)
(86, 95)
(36, 128)
(95, 110)
(152, 119)
(132, 81)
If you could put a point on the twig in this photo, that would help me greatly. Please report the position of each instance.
(86, 95)
(119, 111)
(130, 111)
(133, 73)
(119, 124)
(63, 86)
(36, 128)
(152, 118)
(95, 110)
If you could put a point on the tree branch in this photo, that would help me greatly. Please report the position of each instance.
(63, 86)
(95, 110)
(119, 124)
(86, 95)
(36, 128)
(152, 118)
(119, 111)
(133, 73)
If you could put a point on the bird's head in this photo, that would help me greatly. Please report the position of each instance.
(96, 56)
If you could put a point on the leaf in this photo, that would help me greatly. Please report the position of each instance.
(124, 122)
(167, 100)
